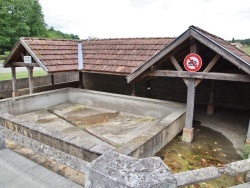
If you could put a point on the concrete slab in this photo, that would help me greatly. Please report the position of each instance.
(232, 123)
(17, 171)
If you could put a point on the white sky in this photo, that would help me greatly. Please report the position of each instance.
(148, 18)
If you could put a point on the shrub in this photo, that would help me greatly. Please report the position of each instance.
(245, 151)
(2, 57)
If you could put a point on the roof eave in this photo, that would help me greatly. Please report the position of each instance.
(184, 36)
(236, 60)
(11, 53)
(33, 55)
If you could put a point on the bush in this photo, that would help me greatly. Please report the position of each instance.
(245, 151)
(2, 57)
(6, 53)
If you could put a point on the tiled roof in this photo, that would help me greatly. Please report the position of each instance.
(232, 49)
(120, 56)
(55, 55)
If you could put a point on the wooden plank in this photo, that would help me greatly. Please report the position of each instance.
(22, 64)
(13, 72)
(158, 56)
(177, 66)
(30, 74)
(210, 107)
(221, 50)
(52, 79)
(193, 45)
(200, 75)
(190, 104)
(209, 67)
(81, 80)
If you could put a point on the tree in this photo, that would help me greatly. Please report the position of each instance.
(20, 18)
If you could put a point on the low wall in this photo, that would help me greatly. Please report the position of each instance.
(41, 83)
(116, 170)
(155, 138)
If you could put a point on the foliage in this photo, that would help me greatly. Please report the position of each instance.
(245, 151)
(246, 49)
(20, 18)
(7, 76)
(241, 41)
(24, 18)
(55, 34)
(2, 57)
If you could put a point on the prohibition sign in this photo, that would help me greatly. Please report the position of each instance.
(192, 62)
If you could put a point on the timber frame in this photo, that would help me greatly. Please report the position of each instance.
(16, 59)
(169, 63)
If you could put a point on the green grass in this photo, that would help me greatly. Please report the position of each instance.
(246, 49)
(7, 76)
(1, 61)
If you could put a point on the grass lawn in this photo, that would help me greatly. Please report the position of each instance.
(7, 76)
(246, 49)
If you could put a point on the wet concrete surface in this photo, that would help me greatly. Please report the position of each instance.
(218, 140)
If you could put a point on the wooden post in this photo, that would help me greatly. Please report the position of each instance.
(188, 130)
(52, 79)
(133, 89)
(81, 80)
(30, 74)
(14, 88)
(248, 134)
(210, 107)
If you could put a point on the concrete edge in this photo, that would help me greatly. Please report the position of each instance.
(133, 145)
(45, 150)
(2, 142)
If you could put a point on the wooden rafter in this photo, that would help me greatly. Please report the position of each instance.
(209, 67)
(200, 75)
(22, 64)
(178, 67)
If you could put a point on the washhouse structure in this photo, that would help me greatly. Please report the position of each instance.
(147, 67)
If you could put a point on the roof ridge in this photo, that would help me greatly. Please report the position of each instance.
(35, 38)
(205, 32)
(124, 38)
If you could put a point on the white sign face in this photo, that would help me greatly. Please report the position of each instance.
(27, 59)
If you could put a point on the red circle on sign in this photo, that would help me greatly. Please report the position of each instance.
(192, 62)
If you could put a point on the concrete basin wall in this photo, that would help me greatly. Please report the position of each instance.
(171, 118)
(142, 106)
(30, 103)
(137, 105)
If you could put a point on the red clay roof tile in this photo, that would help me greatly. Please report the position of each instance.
(119, 56)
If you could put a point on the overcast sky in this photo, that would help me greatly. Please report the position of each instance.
(148, 18)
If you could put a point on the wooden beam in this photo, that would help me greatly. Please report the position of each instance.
(210, 107)
(22, 64)
(81, 80)
(190, 104)
(13, 72)
(201, 75)
(177, 66)
(221, 50)
(133, 89)
(209, 67)
(52, 79)
(193, 46)
(30, 74)
(158, 56)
